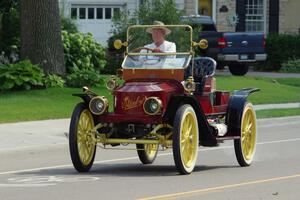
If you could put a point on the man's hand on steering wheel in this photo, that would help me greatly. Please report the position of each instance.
(157, 50)
(136, 50)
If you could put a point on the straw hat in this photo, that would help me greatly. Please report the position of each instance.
(158, 23)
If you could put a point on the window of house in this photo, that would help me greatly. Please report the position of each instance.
(107, 13)
(99, 13)
(255, 15)
(116, 11)
(91, 13)
(82, 13)
(96, 12)
(73, 13)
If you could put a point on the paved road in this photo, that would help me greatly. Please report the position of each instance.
(45, 172)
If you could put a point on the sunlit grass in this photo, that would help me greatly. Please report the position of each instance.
(55, 103)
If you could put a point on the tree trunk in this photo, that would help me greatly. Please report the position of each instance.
(41, 35)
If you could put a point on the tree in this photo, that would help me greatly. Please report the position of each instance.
(41, 35)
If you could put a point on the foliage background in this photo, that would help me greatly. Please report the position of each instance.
(281, 48)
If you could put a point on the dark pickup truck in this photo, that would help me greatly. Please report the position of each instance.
(233, 49)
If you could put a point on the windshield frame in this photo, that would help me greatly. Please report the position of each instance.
(159, 26)
(189, 58)
(189, 53)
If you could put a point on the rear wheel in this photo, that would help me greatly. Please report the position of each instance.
(185, 139)
(246, 145)
(220, 66)
(147, 152)
(81, 139)
(238, 69)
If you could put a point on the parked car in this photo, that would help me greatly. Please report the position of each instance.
(237, 50)
(167, 100)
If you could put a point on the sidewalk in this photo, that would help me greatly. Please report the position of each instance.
(47, 133)
(33, 134)
(276, 106)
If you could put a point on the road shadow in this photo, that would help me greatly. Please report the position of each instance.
(125, 170)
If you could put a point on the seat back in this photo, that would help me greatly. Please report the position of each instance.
(203, 67)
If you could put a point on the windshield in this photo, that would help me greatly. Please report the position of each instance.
(158, 47)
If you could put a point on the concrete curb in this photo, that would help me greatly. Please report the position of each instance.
(276, 106)
(42, 135)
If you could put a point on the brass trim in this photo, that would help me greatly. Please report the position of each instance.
(187, 63)
(159, 54)
(190, 80)
(164, 140)
(105, 102)
(170, 26)
(113, 81)
(203, 44)
(159, 106)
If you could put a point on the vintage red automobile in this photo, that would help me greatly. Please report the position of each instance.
(167, 100)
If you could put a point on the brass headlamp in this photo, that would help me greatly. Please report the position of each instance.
(112, 84)
(189, 85)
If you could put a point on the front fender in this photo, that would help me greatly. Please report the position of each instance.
(206, 137)
(235, 110)
(85, 97)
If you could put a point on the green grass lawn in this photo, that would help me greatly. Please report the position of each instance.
(54, 103)
(279, 90)
(278, 112)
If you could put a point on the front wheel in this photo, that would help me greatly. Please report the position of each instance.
(246, 145)
(147, 152)
(82, 143)
(185, 139)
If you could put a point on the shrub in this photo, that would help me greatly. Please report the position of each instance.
(292, 65)
(21, 75)
(53, 80)
(83, 77)
(68, 25)
(82, 52)
(3, 58)
(281, 48)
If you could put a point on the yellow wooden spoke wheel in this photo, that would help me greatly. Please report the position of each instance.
(147, 152)
(185, 139)
(81, 139)
(246, 145)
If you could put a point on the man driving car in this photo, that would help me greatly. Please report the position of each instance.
(160, 45)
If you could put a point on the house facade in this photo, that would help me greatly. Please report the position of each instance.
(95, 16)
(269, 16)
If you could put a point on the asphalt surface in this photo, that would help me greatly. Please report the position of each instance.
(34, 171)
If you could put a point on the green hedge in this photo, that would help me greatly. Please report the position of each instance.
(281, 48)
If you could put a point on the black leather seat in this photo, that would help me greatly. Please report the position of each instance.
(203, 67)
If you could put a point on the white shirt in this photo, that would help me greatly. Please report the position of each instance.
(166, 46)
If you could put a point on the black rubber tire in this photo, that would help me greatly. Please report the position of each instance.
(240, 155)
(238, 69)
(144, 156)
(73, 147)
(179, 163)
(220, 66)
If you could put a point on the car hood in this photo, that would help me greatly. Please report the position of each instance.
(131, 96)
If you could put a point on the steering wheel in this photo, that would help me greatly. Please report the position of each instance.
(138, 49)
(144, 61)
